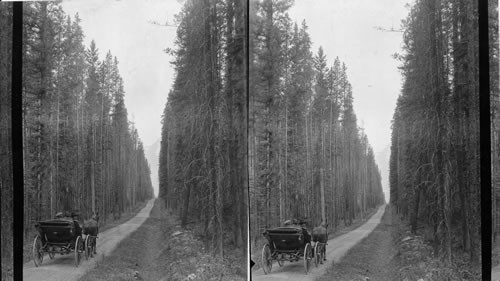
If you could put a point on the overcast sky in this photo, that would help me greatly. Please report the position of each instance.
(123, 27)
(345, 28)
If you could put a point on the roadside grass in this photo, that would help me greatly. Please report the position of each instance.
(161, 250)
(109, 223)
(256, 248)
(392, 252)
(416, 260)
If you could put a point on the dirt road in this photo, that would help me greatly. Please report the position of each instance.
(335, 250)
(62, 268)
(373, 258)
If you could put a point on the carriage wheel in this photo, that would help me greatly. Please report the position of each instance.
(267, 260)
(307, 257)
(51, 253)
(37, 251)
(78, 250)
(317, 254)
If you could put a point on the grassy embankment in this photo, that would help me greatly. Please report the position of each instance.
(392, 252)
(417, 260)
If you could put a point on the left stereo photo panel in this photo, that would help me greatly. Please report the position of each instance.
(134, 140)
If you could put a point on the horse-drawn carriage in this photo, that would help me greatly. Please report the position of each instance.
(292, 243)
(64, 235)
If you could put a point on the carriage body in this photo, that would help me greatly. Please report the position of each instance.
(286, 239)
(289, 243)
(61, 231)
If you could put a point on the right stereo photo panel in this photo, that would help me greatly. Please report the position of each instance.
(364, 139)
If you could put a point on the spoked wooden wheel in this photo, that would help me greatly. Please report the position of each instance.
(317, 254)
(267, 261)
(307, 257)
(37, 251)
(78, 250)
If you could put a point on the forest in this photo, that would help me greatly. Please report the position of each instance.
(308, 157)
(80, 151)
(203, 156)
(434, 165)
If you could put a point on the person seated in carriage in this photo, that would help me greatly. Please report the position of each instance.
(303, 225)
(75, 215)
(307, 235)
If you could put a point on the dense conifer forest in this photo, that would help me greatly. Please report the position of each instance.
(434, 166)
(203, 156)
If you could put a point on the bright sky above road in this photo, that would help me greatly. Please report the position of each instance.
(346, 28)
(124, 28)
